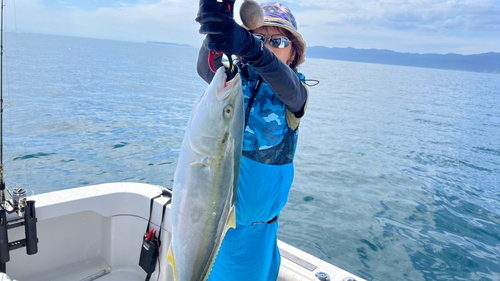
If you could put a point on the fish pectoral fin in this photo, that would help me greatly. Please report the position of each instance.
(203, 163)
(170, 258)
(231, 222)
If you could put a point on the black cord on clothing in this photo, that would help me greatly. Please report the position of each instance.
(312, 80)
(252, 98)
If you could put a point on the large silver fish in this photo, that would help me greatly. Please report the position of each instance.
(206, 179)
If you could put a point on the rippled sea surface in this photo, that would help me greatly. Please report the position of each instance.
(397, 168)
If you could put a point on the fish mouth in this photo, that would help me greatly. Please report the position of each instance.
(225, 92)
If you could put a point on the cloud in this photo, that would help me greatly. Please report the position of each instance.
(447, 25)
(171, 21)
(410, 14)
(457, 22)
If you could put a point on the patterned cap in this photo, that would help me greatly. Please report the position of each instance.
(279, 15)
(278, 12)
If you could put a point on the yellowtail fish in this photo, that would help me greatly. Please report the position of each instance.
(206, 179)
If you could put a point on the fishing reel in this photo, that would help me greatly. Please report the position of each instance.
(16, 212)
(15, 205)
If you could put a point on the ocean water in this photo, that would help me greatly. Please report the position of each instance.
(397, 168)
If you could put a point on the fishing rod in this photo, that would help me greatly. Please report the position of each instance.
(2, 179)
(18, 211)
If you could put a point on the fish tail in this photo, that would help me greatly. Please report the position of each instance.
(170, 258)
(231, 223)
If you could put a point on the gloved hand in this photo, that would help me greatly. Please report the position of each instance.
(210, 10)
(225, 35)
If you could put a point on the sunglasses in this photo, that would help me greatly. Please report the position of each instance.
(276, 41)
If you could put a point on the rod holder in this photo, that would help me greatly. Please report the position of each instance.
(4, 237)
(30, 228)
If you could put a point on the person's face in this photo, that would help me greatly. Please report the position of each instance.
(286, 55)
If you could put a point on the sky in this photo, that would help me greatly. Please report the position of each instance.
(409, 26)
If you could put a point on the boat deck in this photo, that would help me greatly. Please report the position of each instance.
(95, 233)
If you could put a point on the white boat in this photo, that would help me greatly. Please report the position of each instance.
(96, 233)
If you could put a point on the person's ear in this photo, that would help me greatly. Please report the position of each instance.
(292, 58)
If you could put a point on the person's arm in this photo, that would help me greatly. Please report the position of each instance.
(225, 35)
(282, 80)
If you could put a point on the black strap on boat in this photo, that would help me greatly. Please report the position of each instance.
(159, 235)
(150, 249)
(164, 192)
(162, 219)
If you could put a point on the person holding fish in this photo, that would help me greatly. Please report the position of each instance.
(275, 100)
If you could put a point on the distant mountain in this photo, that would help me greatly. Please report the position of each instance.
(166, 43)
(488, 62)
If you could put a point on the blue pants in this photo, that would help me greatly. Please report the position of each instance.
(250, 252)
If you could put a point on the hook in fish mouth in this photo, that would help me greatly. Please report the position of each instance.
(227, 89)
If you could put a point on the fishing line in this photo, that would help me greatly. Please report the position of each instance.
(26, 168)
(14, 58)
(15, 17)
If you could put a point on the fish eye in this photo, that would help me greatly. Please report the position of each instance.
(228, 111)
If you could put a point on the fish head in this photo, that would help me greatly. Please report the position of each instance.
(218, 117)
